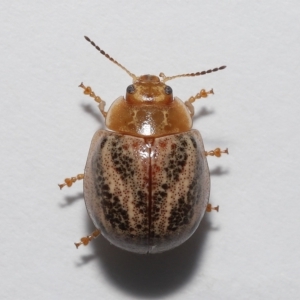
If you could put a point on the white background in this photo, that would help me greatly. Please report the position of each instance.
(250, 249)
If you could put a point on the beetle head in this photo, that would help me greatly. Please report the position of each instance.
(149, 89)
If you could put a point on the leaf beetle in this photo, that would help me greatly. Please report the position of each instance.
(146, 181)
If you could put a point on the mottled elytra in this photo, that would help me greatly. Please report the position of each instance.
(146, 181)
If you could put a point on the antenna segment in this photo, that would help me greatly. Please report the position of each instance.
(166, 78)
(111, 59)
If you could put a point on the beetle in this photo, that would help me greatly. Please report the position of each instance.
(146, 181)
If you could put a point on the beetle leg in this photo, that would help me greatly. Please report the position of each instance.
(88, 91)
(85, 240)
(69, 181)
(217, 152)
(202, 94)
(209, 208)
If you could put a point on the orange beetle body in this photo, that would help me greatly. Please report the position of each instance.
(147, 181)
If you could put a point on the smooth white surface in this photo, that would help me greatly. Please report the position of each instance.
(250, 250)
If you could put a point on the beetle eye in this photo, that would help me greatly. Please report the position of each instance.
(168, 90)
(130, 89)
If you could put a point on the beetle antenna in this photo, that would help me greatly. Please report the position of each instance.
(166, 78)
(111, 59)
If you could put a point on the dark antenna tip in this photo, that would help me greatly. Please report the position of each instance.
(110, 58)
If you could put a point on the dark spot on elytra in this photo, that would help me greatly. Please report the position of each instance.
(183, 211)
(122, 160)
(194, 142)
(113, 211)
(115, 214)
(141, 202)
(107, 195)
(180, 215)
(105, 187)
(122, 226)
(158, 199)
(164, 186)
(177, 159)
(103, 142)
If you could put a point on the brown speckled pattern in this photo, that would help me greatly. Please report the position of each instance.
(146, 198)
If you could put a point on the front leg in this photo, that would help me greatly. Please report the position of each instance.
(202, 94)
(88, 91)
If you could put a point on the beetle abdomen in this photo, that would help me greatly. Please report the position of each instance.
(146, 197)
